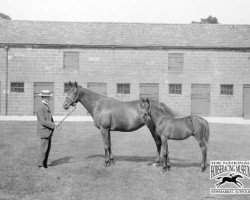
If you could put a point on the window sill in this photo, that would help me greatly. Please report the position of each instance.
(121, 94)
(226, 95)
(175, 95)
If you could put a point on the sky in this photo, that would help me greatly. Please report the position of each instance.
(137, 11)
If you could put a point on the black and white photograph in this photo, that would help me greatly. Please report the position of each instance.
(124, 99)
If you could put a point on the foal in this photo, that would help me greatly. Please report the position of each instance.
(178, 129)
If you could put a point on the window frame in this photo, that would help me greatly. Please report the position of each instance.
(17, 88)
(177, 90)
(71, 53)
(179, 59)
(228, 90)
(64, 87)
(124, 90)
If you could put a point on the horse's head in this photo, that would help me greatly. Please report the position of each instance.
(145, 107)
(237, 176)
(72, 96)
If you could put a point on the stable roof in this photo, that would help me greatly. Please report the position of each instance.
(15, 32)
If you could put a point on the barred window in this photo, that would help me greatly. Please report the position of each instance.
(175, 88)
(17, 87)
(226, 89)
(175, 61)
(66, 87)
(71, 60)
(123, 88)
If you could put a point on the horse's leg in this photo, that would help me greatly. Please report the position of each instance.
(203, 147)
(219, 184)
(110, 150)
(105, 137)
(165, 160)
(239, 185)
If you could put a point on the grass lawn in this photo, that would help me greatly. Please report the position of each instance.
(77, 170)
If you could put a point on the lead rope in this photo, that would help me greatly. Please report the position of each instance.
(59, 123)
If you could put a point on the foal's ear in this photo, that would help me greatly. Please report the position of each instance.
(143, 100)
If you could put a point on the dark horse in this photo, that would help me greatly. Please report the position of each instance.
(231, 179)
(170, 128)
(110, 114)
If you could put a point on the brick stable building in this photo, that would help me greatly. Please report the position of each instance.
(194, 68)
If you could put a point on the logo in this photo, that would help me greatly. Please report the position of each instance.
(229, 176)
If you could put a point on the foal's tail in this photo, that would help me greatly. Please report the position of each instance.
(206, 132)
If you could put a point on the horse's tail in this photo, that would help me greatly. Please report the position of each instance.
(220, 177)
(206, 132)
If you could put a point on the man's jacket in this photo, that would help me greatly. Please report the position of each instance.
(45, 124)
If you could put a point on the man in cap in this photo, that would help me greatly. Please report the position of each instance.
(45, 128)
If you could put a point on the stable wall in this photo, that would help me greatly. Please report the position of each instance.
(132, 66)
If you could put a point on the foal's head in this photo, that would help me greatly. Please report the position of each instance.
(72, 96)
(145, 107)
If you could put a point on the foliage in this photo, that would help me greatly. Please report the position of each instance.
(209, 20)
(3, 16)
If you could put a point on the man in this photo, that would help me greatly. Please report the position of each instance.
(45, 128)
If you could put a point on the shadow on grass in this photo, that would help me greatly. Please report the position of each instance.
(176, 162)
(61, 161)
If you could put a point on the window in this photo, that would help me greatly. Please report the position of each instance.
(71, 60)
(175, 88)
(226, 89)
(66, 87)
(175, 61)
(17, 87)
(123, 88)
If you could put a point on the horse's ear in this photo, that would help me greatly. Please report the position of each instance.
(143, 100)
(70, 84)
(76, 85)
(149, 104)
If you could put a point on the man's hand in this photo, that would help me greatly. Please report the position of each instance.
(57, 124)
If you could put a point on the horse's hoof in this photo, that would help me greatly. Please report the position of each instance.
(165, 170)
(106, 164)
(203, 169)
(155, 165)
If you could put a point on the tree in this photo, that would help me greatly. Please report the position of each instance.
(209, 20)
(3, 16)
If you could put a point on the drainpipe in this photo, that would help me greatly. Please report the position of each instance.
(6, 83)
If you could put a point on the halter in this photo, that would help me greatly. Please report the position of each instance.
(145, 113)
(75, 100)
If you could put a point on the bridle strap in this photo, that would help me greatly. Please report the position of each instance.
(145, 113)
(75, 99)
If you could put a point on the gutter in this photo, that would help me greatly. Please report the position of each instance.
(107, 46)
(6, 78)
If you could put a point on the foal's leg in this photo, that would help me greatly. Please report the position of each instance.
(203, 147)
(106, 141)
(158, 143)
(165, 161)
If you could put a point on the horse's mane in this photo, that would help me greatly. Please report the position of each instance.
(94, 94)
